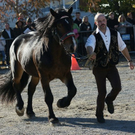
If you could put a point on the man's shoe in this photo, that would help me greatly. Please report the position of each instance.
(100, 119)
(110, 106)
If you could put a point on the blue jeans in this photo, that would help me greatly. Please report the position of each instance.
(3, 55)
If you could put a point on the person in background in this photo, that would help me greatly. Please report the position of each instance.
(103, 48)
(76, 31)
(112, 22)
(18, 30)
(85, 28)
(78, 20)
(130, 30)
(2, 48)
(130, 18)
(21, 17)
(123, 24)
(29, 26)
(8, 35)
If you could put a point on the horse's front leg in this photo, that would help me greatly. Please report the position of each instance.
(31, 89)
(49, 101)
(65, 101)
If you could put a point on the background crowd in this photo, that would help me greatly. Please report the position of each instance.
(81, 27)
(121, 23)
(7, 36)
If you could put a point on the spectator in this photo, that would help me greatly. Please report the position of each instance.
(76, 30)
(21, 17)
(123, 24)
(78, 20)
(103, 47)
(2, 48)
(130, 18)
(29, 26)
(8, 34)
(112, 22)
(85, 28)
(18, 30)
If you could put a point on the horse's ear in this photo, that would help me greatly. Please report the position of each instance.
(70, 10)
(53, 12)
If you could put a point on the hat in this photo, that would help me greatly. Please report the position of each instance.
(19, 20)
(28, 20)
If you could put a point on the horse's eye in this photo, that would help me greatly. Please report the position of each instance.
(59, 26)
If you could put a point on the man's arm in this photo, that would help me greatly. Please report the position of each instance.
(90, 46)
(127, 56)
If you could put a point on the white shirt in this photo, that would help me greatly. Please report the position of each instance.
(2, 43)
(8, 31)
(91, 41)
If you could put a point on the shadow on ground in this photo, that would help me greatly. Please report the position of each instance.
(113, 125)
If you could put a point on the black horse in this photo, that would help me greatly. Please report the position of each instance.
(43, 55)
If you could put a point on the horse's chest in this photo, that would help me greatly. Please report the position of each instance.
(57, 70)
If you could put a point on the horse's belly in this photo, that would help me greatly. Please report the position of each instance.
(57, 72)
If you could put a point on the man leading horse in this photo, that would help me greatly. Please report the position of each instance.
(103, 47)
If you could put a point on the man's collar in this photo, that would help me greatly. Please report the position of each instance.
(97, 30)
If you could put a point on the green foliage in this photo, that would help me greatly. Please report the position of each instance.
(106, 6)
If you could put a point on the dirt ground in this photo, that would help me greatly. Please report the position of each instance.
(79, 118)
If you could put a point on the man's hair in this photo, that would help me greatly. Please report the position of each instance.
(97, 15)
(129, 13)
(111, 13)
(84, 18)
(122, 15)
(7, 23)
(77, 12)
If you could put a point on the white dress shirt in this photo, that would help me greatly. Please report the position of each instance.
(91, 41)
(9, 33)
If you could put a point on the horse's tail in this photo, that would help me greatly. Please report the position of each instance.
(7, 92)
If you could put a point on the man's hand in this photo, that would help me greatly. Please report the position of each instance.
(131, 65)
(92, 56)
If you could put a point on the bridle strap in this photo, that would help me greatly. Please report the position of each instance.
(67, 35)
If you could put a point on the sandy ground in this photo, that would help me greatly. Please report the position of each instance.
(79, 118)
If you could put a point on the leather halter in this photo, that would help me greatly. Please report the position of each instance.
(66, 35)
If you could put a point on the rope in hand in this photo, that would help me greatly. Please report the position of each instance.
(89, 59)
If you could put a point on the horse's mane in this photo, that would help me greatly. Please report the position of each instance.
(44, 25)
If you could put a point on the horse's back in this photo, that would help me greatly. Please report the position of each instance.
(21, 51)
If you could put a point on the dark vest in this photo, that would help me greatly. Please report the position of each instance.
(103, 57)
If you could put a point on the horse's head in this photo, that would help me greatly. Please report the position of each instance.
(63, 24)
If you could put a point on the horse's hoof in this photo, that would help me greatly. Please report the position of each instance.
(54, 122)
(63, 103)
(30, 114)
(19, 112)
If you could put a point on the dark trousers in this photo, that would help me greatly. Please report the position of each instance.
(111, 73)
(7, 47)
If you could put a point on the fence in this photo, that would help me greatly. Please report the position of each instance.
(128, 38)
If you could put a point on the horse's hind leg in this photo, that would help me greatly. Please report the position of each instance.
(20, 79)
(65, 101)
(31, 89)
(49, 101)
(17, 87)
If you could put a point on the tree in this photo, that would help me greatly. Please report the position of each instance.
(106, 6)
(10, 9)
